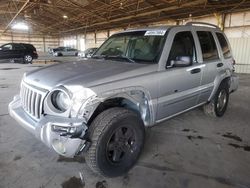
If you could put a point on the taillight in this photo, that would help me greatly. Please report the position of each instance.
(233, 62)
(34, 52)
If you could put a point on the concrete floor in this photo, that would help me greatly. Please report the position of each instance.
(191, 150)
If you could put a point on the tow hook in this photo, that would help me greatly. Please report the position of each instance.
(85, 147)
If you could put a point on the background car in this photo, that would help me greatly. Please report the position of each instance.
(65, 51)
(53, 50)
(18, 51)
(87, 53)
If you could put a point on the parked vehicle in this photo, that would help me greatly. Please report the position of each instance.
(87, 53)
(53, 50)
(18, 51)
(136, 79)
(67, 51)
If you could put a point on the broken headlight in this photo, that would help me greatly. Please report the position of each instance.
(60, 100)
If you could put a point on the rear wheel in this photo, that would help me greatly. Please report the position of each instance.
(27, 59)
(217, 107)
(117, 137)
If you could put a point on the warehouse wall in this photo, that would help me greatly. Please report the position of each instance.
(241, 51)
(42, 43)
(88, 40)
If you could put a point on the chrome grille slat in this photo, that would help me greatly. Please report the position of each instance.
(24, 98)
(39, 107)
(32, 107)
(31, 100)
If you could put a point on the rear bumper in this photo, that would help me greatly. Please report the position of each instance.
(51, 130)
(35, 56)
(234, 83)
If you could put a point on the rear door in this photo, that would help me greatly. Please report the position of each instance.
(179, 86)
(72, 51)
(18, 51)
(66, 51)
(211, 60)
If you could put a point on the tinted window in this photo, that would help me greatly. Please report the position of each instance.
(18, 47)
(208, 46)
(224, 45)
(183, 45)
(29, 46)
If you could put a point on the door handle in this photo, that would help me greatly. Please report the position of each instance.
(219, 64)
(194, 71)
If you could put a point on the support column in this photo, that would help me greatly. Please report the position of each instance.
(44, 45)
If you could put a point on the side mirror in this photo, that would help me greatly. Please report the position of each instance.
(182, 61)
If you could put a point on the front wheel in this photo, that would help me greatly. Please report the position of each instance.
(117, 137)
(27, 59)
(218, 106)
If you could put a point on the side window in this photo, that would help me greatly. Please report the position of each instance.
(208, 46)
(18, 47)
(7, 47)
(224, 45)
(183, 46)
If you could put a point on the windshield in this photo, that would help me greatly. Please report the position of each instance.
(139, 47)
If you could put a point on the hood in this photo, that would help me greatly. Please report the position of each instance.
(86, 73)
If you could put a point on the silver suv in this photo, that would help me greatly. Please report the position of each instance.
(137, 78)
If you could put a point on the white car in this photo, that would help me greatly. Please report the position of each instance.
(66, 52)
(87, 53)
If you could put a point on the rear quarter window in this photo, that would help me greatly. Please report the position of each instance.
(224, 45)
(29, 47)
(208, 46)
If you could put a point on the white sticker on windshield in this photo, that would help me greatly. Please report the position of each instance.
(155, 33)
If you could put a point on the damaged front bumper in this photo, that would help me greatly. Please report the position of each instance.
(62, 134)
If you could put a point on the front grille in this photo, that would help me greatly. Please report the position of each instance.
(32, 99)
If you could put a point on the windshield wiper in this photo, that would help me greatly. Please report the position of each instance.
(113, 57)
(120, 57)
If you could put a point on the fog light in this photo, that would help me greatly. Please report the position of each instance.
(57, 128)
(59, 146)
(64, 130)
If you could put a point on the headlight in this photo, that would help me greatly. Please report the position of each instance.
(60, 100)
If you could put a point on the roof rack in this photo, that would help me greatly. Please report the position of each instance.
(202, 24)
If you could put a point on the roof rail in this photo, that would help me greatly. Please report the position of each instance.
(202, 24)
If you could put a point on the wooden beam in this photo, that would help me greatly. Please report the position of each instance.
(20, 10)
(137, 15)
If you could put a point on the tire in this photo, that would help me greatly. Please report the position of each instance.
(27, 59)
(117, 137)
(218, 106)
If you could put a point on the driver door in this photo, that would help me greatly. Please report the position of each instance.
(179, 84)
